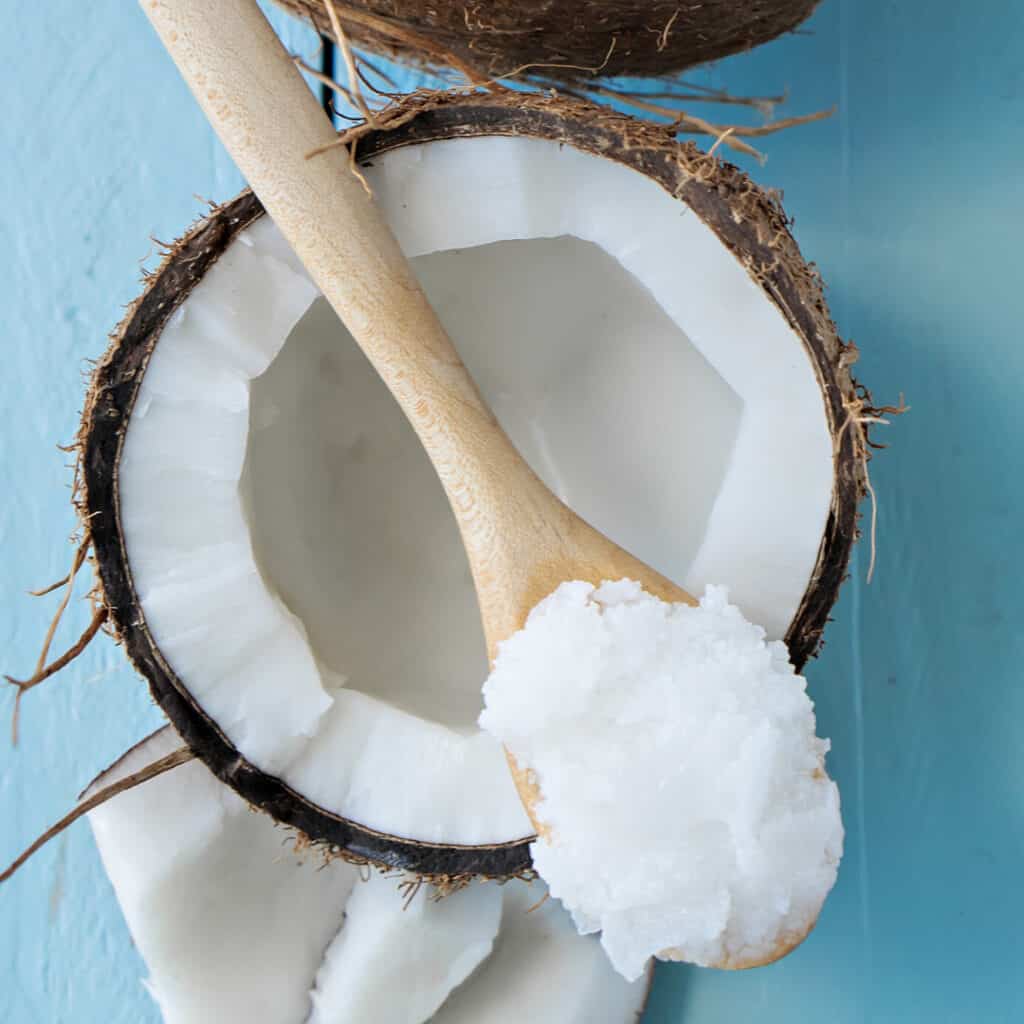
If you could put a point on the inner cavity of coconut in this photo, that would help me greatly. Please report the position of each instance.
(292, 550)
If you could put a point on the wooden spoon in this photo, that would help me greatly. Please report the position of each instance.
(521, 540)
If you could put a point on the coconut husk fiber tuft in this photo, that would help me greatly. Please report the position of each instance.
(570, 39)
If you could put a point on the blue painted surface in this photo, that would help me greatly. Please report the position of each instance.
(907, 199)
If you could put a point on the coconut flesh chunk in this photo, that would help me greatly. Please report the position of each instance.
(229, 923)
(396, 964)
(233, 924)
(683, 799)
(294, 557)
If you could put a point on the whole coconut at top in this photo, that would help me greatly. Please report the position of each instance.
(616, 37)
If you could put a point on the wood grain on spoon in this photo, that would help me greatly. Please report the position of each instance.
(521, 540)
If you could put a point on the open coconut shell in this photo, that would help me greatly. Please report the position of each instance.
(748, 223)
(585, 37)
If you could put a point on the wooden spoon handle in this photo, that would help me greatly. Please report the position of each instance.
(521, 541)
(267, 118)
(269, 121)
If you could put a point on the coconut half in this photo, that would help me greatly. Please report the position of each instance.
(566, 40)
(276, 553)
(236, 926)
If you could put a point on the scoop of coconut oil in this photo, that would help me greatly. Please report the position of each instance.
(684, 805)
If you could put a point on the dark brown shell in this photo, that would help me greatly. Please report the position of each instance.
(749, 222)
(639, 38)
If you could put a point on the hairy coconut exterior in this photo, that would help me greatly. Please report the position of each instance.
(612, 37)
(748, 221)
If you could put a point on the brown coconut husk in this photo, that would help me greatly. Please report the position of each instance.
(365, 84)
(571, 39)
(750, 223)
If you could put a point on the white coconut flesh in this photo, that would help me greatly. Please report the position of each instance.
(294, 556)
(235, 926)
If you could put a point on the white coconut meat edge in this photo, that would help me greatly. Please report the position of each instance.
(235, 926)
(221, 623)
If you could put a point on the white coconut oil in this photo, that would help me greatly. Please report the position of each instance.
(684, 808)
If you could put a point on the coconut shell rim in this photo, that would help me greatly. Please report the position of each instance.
(748, 221)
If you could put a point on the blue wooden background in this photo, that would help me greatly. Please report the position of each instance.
(911, 200)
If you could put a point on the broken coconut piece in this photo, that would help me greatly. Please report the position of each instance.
(682, 801)
(395, 962)
(233, 923)
(230, 923)
(274, 548)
